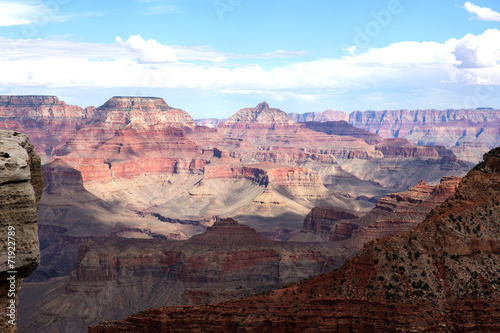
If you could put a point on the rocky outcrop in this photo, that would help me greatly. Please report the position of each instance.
(121, 111)
(20, 191)
(130, 136)
(39, 115)
(115, 277)
(441, 276)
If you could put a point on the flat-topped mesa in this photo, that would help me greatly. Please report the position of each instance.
(131, 102)
(140, 113)
(38, 106)
(28, 100)
(262, 114)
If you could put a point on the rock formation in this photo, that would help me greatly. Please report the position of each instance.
(441, 276)
(120, 111)
(400, 123)
(21, 186)
(268, 127)
(39, 115)
(113, 278)
(130, 136)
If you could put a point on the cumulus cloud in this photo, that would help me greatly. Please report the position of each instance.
(482, 13)
(20, 12)
(148, 51)
(479, 51)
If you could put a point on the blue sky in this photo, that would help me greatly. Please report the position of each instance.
(213, 57)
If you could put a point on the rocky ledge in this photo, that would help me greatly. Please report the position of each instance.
(21, 187)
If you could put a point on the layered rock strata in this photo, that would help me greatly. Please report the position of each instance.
(39, 115)
(450, 128)
(21, 187)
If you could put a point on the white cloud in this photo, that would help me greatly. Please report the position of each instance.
(482, 13)
(137, 63)
(479, 51)
(21, 12)
(150, 51)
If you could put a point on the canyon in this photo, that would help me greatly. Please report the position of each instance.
(151, 160)
(440, 276)
(148, 171)
(136, 185)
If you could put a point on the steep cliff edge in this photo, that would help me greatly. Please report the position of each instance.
(440, 277)
(21, 187)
